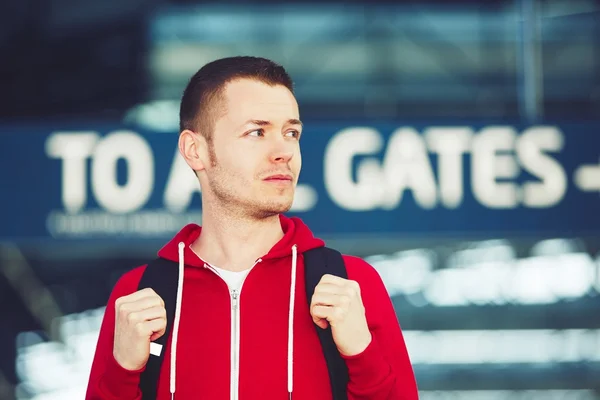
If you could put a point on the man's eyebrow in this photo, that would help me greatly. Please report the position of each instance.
(294, 121)
(260, 122)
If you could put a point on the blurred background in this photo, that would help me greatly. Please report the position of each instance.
(455, 145)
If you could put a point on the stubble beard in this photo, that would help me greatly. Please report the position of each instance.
(234, 204)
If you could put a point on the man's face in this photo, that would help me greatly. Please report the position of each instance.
(256, 151)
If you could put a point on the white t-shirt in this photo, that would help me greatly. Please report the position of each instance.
(233, 279)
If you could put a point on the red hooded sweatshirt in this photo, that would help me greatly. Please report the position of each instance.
(204, 342)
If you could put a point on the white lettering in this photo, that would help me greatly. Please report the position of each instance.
(73, 149)
(407, 166)
(531, 148)
(487, 166)
(360, 172)
(305, 198)
(140, 172)
(450, 144)
(366, 193)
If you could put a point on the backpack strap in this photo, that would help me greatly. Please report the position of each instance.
(161, 275)
(318, 262)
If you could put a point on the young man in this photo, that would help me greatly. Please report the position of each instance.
(240, 132)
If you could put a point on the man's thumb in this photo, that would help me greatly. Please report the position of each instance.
(321, 322)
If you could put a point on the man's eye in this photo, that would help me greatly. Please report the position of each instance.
(257, 132)
(295, 134)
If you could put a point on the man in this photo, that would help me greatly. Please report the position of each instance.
(240, 132)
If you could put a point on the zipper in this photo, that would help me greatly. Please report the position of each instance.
(234, 296)
(235, 345)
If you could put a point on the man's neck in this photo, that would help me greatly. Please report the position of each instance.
(235, 244)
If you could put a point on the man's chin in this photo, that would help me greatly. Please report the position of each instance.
(281, 208)
(275, 208)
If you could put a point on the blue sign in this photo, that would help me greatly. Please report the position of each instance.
(114, 182)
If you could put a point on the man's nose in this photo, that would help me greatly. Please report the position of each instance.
(282, 153)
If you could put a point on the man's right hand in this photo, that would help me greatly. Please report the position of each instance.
(140, 318)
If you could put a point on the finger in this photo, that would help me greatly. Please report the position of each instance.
(329, 299)
(157, 335)
(148, 329)
(328, 288)
(318, 316)
(348, 286)
(333, 280)
(148, 314)
(333, 314)
(322, 315)
(158, 327)
(321, 323)
(141, 304)
(349, 291)
(140, 294)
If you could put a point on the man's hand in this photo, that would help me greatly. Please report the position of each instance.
(139, 319)
(338, 302)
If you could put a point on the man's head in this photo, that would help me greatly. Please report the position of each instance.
(240, 128)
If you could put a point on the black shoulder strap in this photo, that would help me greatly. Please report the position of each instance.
(161, 276)
(318, 262)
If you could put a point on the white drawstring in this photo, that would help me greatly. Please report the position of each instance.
(177, 317)
(290, 359)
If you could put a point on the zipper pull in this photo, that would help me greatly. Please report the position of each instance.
(234, 298)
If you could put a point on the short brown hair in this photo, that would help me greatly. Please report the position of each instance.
(201, 97)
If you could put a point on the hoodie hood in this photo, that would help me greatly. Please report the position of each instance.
(295, 233)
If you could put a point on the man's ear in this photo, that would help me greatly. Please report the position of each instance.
(194, 149)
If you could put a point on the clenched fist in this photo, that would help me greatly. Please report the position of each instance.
(338, 302)
(140, 318)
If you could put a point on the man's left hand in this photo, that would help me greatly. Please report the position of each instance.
(337, 302)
